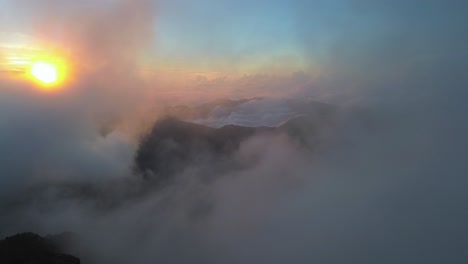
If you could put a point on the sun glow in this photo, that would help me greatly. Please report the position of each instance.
(49, 74)
(43, 66)
(45, 72)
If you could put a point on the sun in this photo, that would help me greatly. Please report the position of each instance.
(42, 66)
(45, 72)
(49, 74)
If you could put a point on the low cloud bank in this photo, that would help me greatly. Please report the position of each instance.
(385, 184)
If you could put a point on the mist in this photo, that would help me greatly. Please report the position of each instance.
(384, 184)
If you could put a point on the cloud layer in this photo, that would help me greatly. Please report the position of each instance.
(386, 184)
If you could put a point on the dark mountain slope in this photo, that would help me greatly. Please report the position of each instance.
(173, 144)
(29, 248)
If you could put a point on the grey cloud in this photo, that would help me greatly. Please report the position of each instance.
(386, 184)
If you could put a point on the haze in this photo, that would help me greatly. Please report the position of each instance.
(299, 131)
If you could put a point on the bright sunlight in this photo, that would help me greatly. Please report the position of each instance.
(45, 72)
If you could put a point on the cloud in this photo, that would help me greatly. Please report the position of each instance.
(55, 136)
(385, 184)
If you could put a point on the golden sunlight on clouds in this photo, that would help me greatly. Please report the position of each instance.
(46, 70)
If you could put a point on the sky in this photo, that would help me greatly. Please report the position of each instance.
(209, 35)
(387, 185)
(245, 37)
